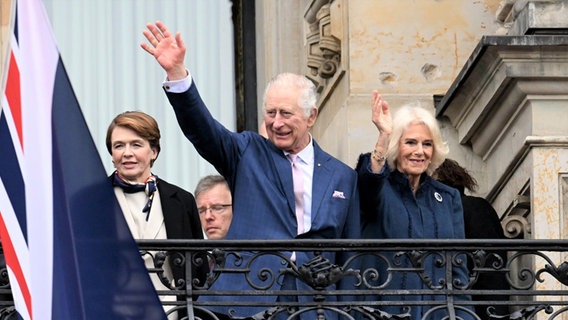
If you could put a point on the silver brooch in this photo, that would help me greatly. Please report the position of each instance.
(438, 196)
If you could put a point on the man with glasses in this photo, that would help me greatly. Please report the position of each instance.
(214, 204)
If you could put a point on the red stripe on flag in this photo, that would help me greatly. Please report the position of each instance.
(14, 264)
(13, 95)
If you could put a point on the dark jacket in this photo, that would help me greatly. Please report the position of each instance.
(390, 210)
(482, 222)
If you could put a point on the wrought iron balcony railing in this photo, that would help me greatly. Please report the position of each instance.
(535, 273)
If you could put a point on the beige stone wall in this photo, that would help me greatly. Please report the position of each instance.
(406, 47)
(550, 183)
(408, 50)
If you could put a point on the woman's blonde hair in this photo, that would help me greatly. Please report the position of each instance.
(414, 113)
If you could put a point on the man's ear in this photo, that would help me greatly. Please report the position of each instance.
(313, 116)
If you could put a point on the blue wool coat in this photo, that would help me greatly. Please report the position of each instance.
(390, 210)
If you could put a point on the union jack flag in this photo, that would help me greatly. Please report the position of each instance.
(69, 252)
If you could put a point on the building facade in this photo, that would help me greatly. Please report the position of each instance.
(494, 72)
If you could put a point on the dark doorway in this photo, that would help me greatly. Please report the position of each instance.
(245, 64)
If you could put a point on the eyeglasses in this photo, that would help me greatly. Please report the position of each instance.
(216, 208)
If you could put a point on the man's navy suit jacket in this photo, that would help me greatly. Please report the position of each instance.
(260, 178)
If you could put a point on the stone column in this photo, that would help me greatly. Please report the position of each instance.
(509, 106)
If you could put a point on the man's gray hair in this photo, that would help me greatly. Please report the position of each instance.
(308, 97)
(208, 182)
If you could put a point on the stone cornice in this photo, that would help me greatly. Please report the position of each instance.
(531, 142)
(500, 74)
(491, 47)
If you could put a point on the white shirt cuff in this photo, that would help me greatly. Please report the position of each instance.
(178, 86)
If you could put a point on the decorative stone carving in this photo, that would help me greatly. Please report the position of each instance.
(516, 227)
(323, 48)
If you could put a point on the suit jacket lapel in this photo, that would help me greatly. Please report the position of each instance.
(321, 179)
(172, 211)
(284, 172)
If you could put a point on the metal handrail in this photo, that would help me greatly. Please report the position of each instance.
(535, 270)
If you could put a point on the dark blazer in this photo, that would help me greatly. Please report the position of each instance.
(181, 220)
(482, 222)
(390, 210)
(260, 178)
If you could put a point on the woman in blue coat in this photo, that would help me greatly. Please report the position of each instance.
(400, 200)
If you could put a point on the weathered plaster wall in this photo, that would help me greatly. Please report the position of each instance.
(408, 50)
(414, 47)
(550, 168)
(549, 185)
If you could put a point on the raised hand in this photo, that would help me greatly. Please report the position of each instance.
(381, 116)
(168, 50)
